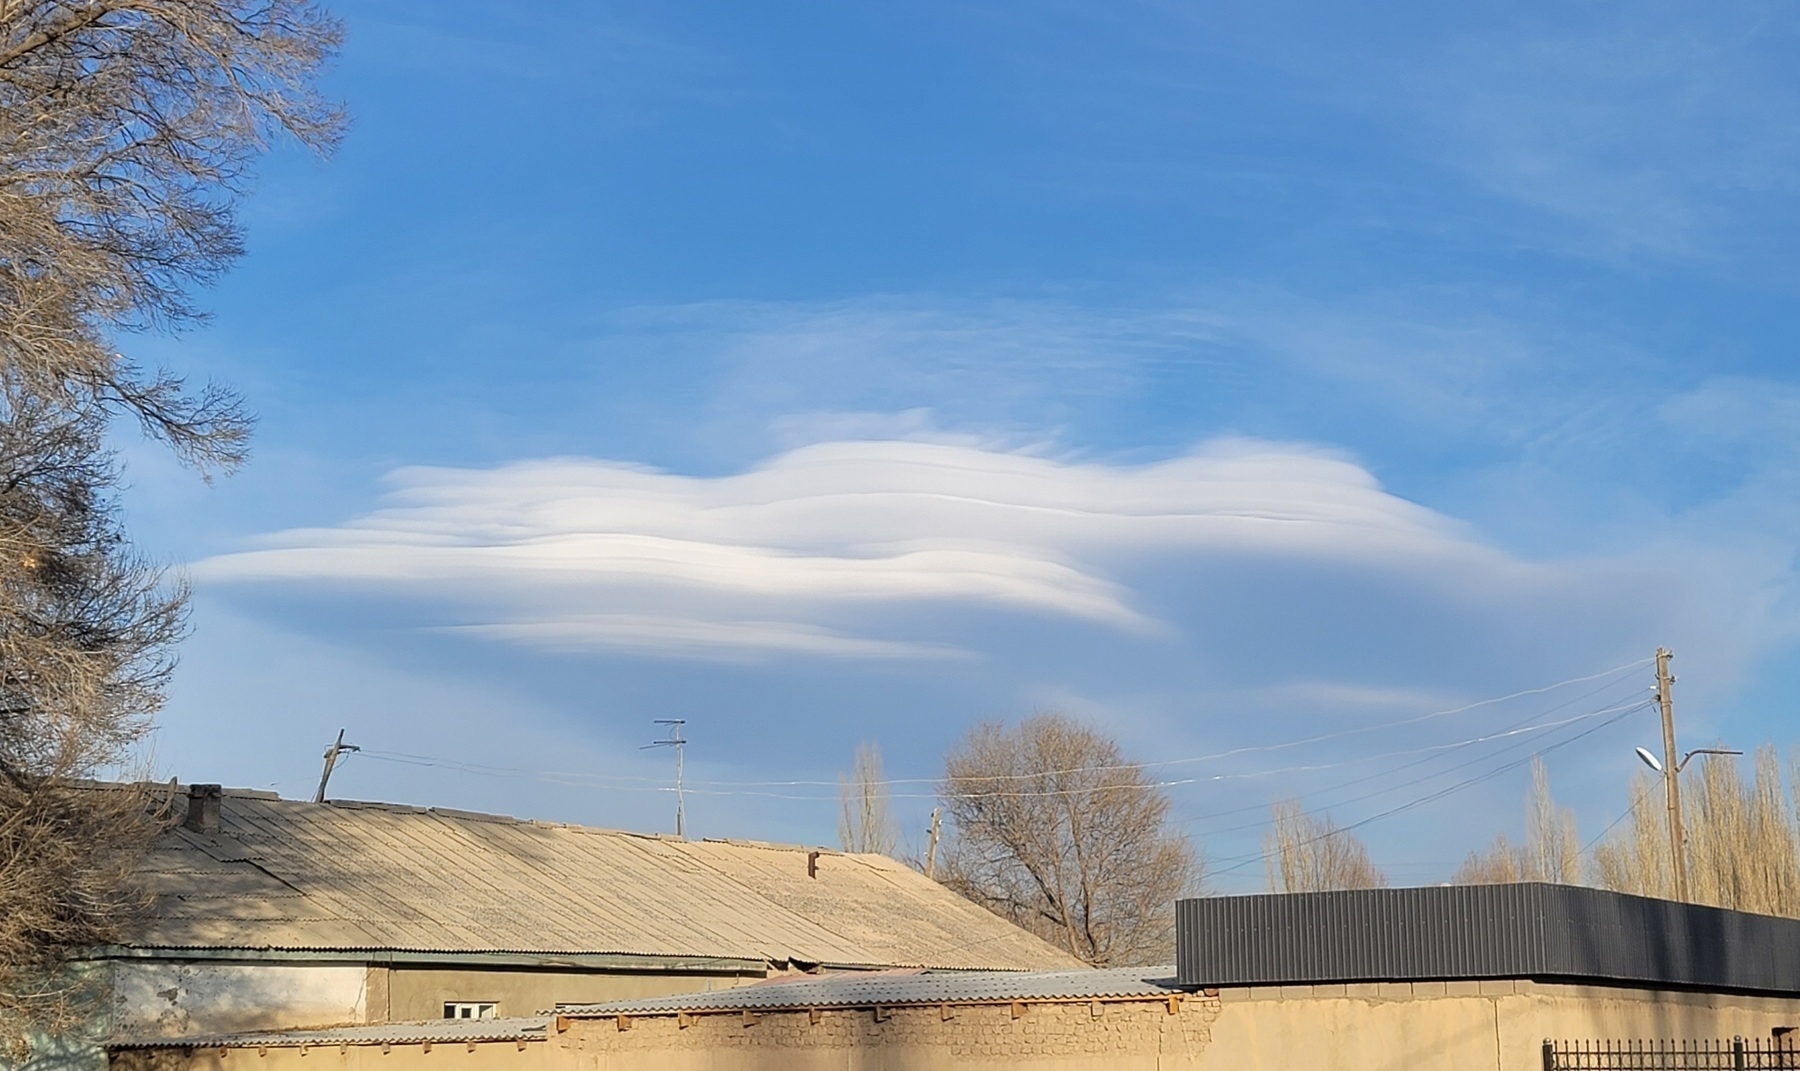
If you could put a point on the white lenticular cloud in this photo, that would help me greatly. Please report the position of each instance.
(767, 560)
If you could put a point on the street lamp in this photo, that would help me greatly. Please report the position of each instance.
(1672, 783)
(1655, 763)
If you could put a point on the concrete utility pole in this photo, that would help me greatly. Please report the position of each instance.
(931, 846)
(331, 758)
(1671, 772)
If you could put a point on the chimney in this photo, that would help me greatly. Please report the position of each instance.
(203, 808)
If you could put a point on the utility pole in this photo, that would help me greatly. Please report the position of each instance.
(1671, 772)
(931, 846)
(331, 758)
(675, 741)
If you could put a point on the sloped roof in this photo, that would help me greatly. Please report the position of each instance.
(896, 988)
(534, 1028)
(345, 876)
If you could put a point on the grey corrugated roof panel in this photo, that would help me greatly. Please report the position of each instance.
(896, 988)
(1521, 930)
(445, 1031)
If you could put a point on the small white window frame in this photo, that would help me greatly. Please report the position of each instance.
(471, 1009)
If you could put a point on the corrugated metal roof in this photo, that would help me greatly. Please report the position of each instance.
(895, 988)
(446, 1031)
(1523, 930)
(293, 876)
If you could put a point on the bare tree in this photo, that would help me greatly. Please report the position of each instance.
(1636, 858)
(1551, 852)
(1743, 841)
(865, 823)
(1053, 828)
(126, 131)
(1306, 854)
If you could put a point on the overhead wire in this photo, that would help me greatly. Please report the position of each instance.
(1433, 797)
(1416, 763)
(601, 779)
(1617, 712)
(753, 789)
(1431, 753)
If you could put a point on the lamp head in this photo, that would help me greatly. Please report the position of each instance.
(1650, 760)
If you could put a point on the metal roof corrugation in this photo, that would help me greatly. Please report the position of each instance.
(895, 988)
(290, 875)
(1524, 930)
(446, 1031)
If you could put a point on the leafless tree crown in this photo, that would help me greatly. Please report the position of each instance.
(1052, 828)
(1302, 853)
(1551, 852)
(126, 131)
(1743, 840)
(865, 821)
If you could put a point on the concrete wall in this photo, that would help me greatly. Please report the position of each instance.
(1462, 1025)
(416, 993)
(157, 998)
(161, 998)
(1424, 1027)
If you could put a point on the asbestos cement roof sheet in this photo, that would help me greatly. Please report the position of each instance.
(441, 1031)
(896, 988)
(291, 876)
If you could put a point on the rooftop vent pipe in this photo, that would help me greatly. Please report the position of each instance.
(203, 808)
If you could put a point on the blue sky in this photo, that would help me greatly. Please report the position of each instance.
(1224, 375)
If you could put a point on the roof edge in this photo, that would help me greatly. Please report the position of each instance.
(611, 961)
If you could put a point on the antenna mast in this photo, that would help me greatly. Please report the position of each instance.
(676, 741)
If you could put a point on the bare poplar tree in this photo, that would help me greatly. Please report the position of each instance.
(1636, 858)
(1743, 841)
(126, 131)
(1551, 852)
(1306, 854)
(1053, 828)
(865, 824)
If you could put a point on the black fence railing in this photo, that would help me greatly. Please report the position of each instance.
(1735, 1054)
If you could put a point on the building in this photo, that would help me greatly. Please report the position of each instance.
(273, 914)
(1496, 978)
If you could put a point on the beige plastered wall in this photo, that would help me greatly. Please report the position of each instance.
(1488, 1026)
(404, 994)
(1440, 1026)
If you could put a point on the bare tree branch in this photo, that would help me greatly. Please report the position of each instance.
(1306, 854)
(865, 822)
(1052, 828)
(1551, 852)
(127, 129)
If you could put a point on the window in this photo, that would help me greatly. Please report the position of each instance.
(470, 1009)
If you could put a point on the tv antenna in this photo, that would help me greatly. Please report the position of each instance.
(675, 741)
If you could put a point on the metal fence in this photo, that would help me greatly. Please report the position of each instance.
(1736, 1054)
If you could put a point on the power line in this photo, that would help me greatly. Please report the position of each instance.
(600, 779)
(753, 788)
(1259, 748)
(1618, 712)
(1418, 762)
(1442, 793)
